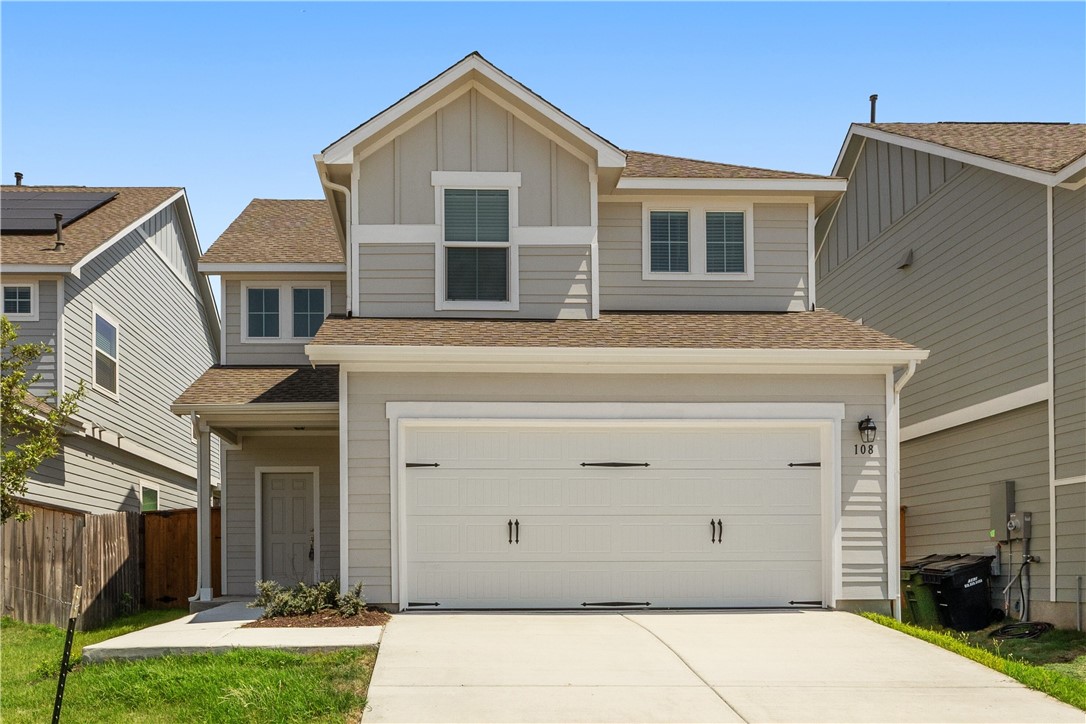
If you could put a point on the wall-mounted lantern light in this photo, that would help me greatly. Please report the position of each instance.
(867, 429)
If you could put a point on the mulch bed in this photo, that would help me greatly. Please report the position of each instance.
(369, 617)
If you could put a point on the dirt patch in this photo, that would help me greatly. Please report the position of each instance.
(369, 617)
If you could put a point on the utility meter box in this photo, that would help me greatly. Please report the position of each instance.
(1019, 525)
(1000, 504)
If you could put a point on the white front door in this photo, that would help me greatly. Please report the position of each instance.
(287, 525)
(692, 516)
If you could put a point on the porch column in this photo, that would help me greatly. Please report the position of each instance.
(204, 590)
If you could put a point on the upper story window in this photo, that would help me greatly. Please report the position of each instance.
(477, 245)
(283, 312)
(106, 352)
(703, 241)
(21, 302)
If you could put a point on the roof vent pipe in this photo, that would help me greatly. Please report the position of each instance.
(60, 232)
(874, 99)
(18, 178)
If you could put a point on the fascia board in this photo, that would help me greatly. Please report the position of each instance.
(255, 408)
(844, 150)
(1070, 170)
(125, 232)
(192, 240)
(243, 268)
(35, 269)
(730, 184)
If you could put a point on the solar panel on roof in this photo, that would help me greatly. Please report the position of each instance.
(32, 211)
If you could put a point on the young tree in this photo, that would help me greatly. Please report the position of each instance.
(30, 427)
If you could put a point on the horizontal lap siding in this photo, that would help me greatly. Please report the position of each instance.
(97, 478)
(863, 522)
(974, 295)
(43, 331)
(271, 353)
(397, 280)
(780, 266)
(1069, 328)
(1070, 539)
(945, 482)
(239, 501)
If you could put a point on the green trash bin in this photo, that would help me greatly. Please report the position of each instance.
(918, 598)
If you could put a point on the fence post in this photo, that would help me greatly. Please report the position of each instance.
(73, 614)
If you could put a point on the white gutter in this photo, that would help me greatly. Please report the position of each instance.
(893, 484)
(348, 223)
(907, 376)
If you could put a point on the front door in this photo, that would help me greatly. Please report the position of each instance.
(287, 528)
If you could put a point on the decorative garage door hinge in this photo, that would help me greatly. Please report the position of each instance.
(804, 603)
(423, 465)
(416, 604)
(614, 465)
(804, 465)
(614, 604)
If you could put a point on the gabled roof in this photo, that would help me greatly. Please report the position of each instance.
(640, 164)
(237, 385)
(608, 154)
(1047, 153)
(87, 234)
(277, 231)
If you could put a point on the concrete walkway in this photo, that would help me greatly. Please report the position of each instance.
(791, 666)
(219, 629)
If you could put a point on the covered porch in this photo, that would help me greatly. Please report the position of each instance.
(280, 474)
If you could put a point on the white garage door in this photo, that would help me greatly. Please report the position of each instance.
(525, 517)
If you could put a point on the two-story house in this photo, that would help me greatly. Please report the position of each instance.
(969, 239)
(505, 363)
(107, 278)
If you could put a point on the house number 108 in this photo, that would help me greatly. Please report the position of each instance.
(865, 449)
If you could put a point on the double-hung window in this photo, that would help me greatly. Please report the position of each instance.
(707, 241)
(725, 248)
(283, 311)
(670, 240)
(106, 353)
(476, 245)
(20, 302)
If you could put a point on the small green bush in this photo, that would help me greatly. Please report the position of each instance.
(304, 599)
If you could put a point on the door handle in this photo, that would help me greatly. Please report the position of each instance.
(510, 531)
(516, 524)
(720, 533)
(712, 530)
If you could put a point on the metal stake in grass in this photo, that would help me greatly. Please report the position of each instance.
(73, 614)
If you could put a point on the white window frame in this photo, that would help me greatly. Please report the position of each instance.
(477, 180)
(696, 238)
(145, 485)
(34, 311)
(286, 309)
(97, 311)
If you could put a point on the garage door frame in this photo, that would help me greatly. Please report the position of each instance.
(404, 417)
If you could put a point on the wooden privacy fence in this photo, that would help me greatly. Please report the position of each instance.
(169, 556)
(44, 557)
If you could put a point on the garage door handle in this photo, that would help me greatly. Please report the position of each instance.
(516, 524)
(510, 531)
(720, 533)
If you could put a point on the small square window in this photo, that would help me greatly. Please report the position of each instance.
(18, 300)
(669, 241)
(148, 498)
(105, 354)
(308, 312)
(263, 312)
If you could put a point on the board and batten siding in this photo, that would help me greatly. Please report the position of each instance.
(887, 183)
(945, 485)
(1069, 330)
(472, 133)
(975, 294)
(238, 352)
(239, 501)
(164, 343)
(1070, 539)
(95, 477)
(780, 266)
(397, 280)
(863, 494)
(43, 331)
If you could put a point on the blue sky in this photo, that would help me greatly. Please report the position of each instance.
(232, 100)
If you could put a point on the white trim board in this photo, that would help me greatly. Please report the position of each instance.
(979, 411)
(731, 184)
(258, 516)
(1077, 480)
(269, 268)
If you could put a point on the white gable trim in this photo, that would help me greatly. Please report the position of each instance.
(342, 150)
(733, 184)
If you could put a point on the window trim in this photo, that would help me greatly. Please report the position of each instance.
(477, 180)
(697, 240)
(286, 308)
(146, 485)
(35, 312)
(97, 311)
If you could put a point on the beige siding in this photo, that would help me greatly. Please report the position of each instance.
(945, 479)
(863, 482)
(974, 295)
(888, 182)
(1070, 539)
(397, 280)
(239, 501)
(472, 133)
(238, 352)
(1069, 328)
(780, 266)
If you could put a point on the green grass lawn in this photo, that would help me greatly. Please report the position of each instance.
(244, 685)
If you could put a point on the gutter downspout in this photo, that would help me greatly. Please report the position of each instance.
(322, 173)
(893, 486)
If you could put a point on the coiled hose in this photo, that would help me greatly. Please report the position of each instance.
(1022, 630)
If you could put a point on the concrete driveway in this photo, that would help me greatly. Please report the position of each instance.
(790, 666)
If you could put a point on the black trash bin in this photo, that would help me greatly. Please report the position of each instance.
(917, 596)
(961, 591)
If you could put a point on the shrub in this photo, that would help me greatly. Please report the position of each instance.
(352, 603)
(303, 599)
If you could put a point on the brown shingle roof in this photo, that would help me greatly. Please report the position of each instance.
(279, 231)
(820, 330)
(1041, 146)
(86, 234)
(245, 385)
(655, 165)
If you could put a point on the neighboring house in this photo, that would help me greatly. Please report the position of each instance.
(116, 296)
(553, 373)
(969, 239)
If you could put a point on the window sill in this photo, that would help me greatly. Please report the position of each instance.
(22, 317)
(276, 340)
(466, 306)
(102, 390)
(697, 276)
